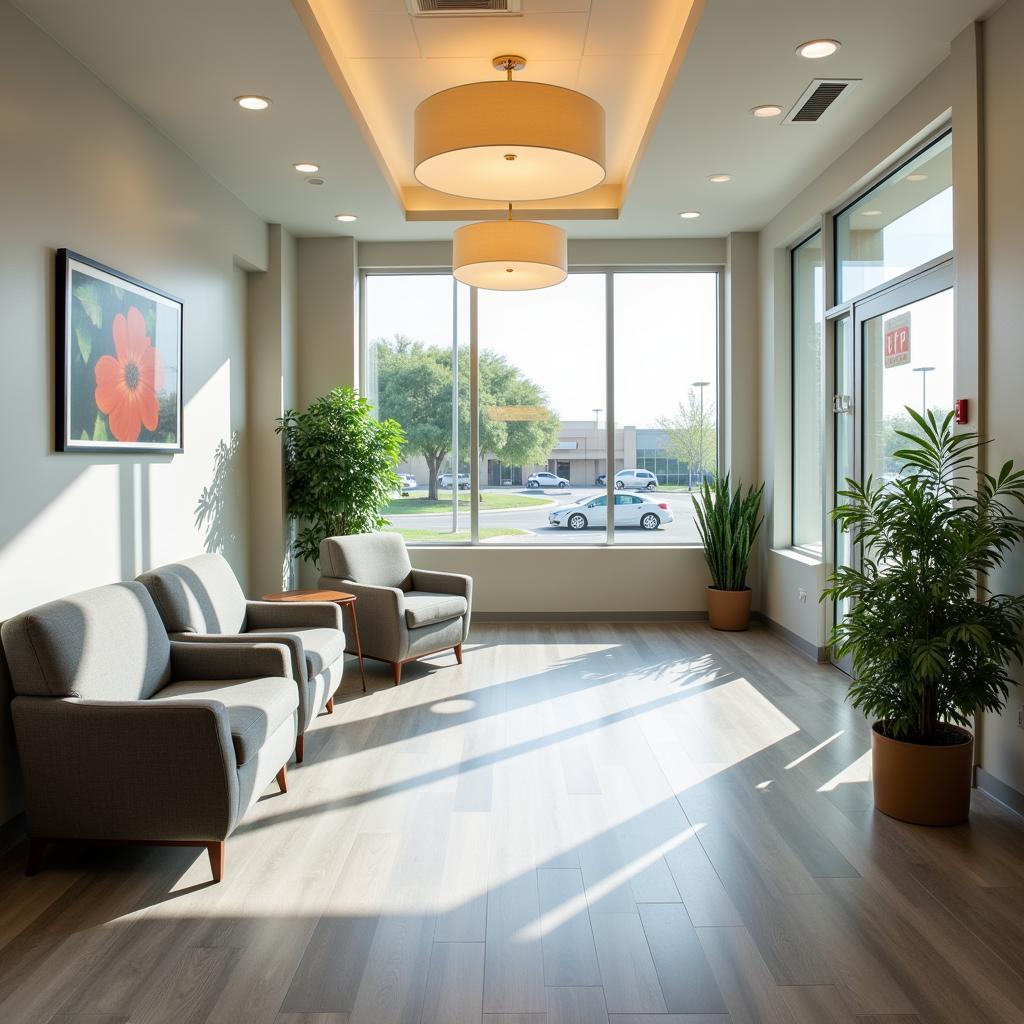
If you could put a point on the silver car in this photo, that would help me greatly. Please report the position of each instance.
(630, 510)
(546, 479)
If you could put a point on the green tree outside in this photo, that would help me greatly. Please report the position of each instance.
(690, 437)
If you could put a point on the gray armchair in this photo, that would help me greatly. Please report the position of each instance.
(404, 613)
(200, 601)
(127, 737)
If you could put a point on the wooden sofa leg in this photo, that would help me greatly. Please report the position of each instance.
(396, 668)
(282, 778)
(458, 653)
(216, 852)
(300, 748)
(36, 850)
(329, 707)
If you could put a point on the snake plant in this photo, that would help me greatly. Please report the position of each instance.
(728, 522)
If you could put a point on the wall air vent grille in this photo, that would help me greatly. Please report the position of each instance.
(818, 97)
(465, 8)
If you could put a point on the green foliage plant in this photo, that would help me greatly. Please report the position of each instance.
(728, 522)
(929, 646)
(340, 468)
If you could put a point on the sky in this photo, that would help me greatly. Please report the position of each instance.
(665, 335)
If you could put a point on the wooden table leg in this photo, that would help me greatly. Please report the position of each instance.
(359, 646)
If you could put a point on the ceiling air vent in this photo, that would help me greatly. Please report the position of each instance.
(464, 8)
(821, 94)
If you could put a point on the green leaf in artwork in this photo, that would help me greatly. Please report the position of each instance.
(99, 430)
(86, 295)
(85, 436)
(151, 322)
(84, 343)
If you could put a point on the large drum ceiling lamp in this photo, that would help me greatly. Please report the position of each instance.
(509, 141)
(509, 255)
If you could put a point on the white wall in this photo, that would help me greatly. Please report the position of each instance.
(80, 169)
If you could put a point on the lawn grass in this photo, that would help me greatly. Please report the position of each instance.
(418, 504)
(414, 536)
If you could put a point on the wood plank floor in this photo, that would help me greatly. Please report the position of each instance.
(624, 824)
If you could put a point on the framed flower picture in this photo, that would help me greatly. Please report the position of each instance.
(118, 361)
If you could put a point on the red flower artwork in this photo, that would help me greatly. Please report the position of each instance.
(126, 386)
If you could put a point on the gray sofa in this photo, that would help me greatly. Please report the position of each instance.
(125, 736)
(200, 601)
(404, 613)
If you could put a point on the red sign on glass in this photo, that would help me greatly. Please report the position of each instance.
(897, 340)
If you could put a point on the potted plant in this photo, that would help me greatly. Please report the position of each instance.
(930, 647)
(728, 522)
(340, 468)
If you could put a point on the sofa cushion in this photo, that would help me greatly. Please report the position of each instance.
(197, 595)
(373, 559)
(423, 608)
(322, 646)
(255, 707)
(102, 644)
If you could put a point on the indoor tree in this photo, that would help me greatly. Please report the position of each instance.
(340, 468)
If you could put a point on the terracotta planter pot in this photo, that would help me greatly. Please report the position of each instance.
(729, 609)
(922, 784)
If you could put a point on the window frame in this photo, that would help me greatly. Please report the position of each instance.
(608, 271)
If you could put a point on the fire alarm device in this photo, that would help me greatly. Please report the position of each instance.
(960, 408)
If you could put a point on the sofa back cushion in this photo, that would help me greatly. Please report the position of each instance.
(102, 644)
(197, 595)
(373, 559)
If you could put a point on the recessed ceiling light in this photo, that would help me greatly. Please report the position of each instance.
(766, 110)
(815, 49)
(345, 218)
(871, 213)
(252, 102)
(917, 177)
(306, 168)
(719, 178)
(689, 214)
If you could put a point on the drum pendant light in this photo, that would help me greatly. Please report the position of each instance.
(509, 255)
(509, 140)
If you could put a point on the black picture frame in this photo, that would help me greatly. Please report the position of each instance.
(118, 364)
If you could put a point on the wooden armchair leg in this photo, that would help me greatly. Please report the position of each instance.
(36, 850)
(300, 747)
(458, 653)
(216, 852)
(282, 778)
(396, 668)
(329, 707)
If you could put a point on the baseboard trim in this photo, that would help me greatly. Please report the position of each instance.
(999, 790)
(658, 616)
(805, 647)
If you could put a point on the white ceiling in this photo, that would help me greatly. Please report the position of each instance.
(181, 63)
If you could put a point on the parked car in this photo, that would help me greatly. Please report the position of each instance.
(636, 480)
(630, 510)
(445, 480)
(407, 480)
(546, 479)
(602, 480)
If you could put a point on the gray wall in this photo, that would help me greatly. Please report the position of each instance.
(81, 169)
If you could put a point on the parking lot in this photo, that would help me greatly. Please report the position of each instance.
(530, 525)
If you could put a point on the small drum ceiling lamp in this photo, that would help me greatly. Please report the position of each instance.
(509, 255)
(509, 141)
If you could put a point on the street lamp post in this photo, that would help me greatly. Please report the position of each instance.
(924, 371)
(702, 384)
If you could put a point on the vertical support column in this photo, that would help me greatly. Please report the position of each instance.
(474, 416)
(609, 401)
(455, 412)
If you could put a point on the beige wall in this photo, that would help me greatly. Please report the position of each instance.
(1002, 741)
(80, 169)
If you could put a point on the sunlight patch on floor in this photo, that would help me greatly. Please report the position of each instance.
(859, 771)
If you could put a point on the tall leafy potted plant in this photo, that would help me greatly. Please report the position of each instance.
(340, 468)
(728, 522)
(930, 648)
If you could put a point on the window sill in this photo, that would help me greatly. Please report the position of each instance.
(801, 555)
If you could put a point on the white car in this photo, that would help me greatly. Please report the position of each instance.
(445, 480)
(636, 480)
(546, 479)
(630, 510)
(407, 480)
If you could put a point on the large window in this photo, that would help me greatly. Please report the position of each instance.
(541, 373)
(808, 293)
(902, 223)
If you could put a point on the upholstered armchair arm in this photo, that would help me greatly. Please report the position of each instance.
(127, 769)
(447, 583)
(381, 612)
(232, 657)
(292, 615)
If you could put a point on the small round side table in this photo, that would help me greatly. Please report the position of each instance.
(338, 597)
